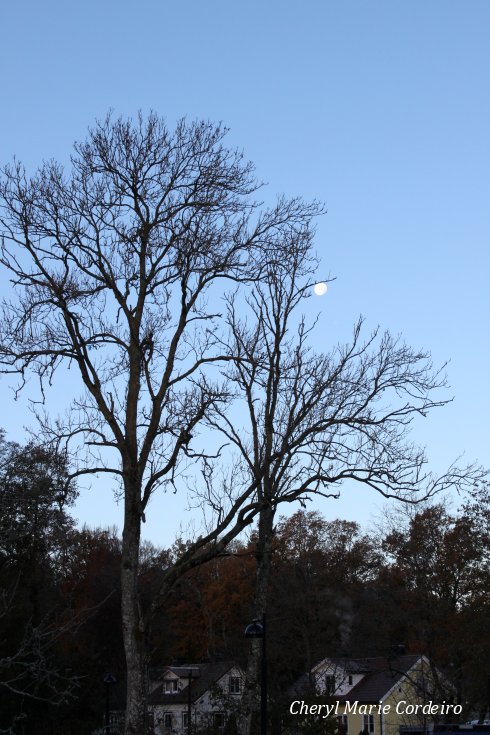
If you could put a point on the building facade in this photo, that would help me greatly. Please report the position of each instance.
(400, 695)
(208, 694)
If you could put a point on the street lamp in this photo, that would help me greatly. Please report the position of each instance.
(189, 704)
(257, 629)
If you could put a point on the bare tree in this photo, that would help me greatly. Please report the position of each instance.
(315, 420)
(112, 266)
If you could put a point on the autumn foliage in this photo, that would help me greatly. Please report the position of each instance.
(423, 581)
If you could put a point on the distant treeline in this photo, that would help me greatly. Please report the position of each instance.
(421, 580)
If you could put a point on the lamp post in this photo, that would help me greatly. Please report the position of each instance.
(109, 680)
(189, 705)
(257, 629)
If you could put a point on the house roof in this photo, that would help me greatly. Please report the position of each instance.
(203, 678)
(383, 674)
(380, 675)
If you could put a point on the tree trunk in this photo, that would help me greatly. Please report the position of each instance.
(249, 724)
(132, 620)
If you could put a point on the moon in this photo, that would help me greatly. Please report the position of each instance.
(320, 289)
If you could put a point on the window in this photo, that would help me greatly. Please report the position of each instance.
(329, 684)
(234, 685)
(171, 686)
(349, 679)
(185, 720)
(218, 720)
(368, 723)
(167, 721)
(343, 723)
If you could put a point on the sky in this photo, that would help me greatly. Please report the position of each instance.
(379, 109)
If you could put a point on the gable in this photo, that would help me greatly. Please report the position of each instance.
(205, 679)
(364, 679)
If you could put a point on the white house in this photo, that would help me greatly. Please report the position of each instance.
(208, 693)
(376, 696)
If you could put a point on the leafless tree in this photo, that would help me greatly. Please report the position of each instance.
(313, 421)
(112, 266)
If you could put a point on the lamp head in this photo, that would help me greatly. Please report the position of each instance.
(254, 630)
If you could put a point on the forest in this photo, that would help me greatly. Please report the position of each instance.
(420, 579)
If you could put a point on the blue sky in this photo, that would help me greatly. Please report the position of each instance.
(379, 109)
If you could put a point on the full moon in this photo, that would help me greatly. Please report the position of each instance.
(320, 289)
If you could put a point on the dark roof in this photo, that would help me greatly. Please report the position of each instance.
(203, 678)
(381, 673)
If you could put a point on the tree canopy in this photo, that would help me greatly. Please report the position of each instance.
(149, 269)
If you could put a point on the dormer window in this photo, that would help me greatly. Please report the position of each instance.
(171, 686)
